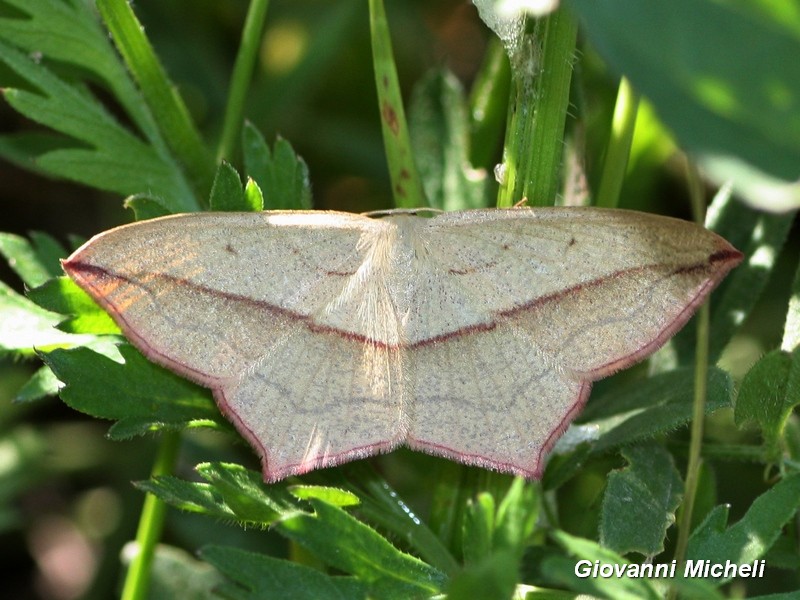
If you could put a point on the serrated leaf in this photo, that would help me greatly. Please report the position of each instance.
(134, 392)
(70, 33)
(439, 129)
(768, 394)
(349, 545)
(146, 207)
(331, 495)
(26, 326)
(619, 588)
(62, 295)
(257, 576)
(246, 494)
(383, 506)
(709, 88)
(643, 409)
(253, 195)
(640, 500)
(35, 262)
(231, 492)
(158, 92)
(190, 496)
(227, 193)
(750, 537)
(281, 174)
(111, 157)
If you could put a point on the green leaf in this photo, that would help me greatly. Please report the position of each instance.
(175, 573)
(333, 496)
(281, 174)
(137, 393)
(611, 587)
(69, 33)
(256, 576)
(254, 198)
(768, 395)
(146, 207)
(43, 383)
(562, 467)
(478, 528)
(345, 543)
(643, 409)
(383, 506)
(640, 500)
(63, 296)
(493, 577)
(692, 588)
(491, 529)
(407, 189)
(34, 262)
(26, 326)
(106, 155)
(751, 537)
(230, 492)
(244, 491)
(227, 193)
(516, 517)
(760, 236)
(713, 91)
(161, 97)
(190, 496)
(439, 129)
(759, 190)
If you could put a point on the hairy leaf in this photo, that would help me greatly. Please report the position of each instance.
(640, 501)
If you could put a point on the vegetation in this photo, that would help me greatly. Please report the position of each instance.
(692, 455)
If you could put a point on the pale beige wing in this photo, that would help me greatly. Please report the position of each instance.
(490, 400)
(202, 293)
(569, 296)
(241, 303)
(597, 289)
(316, 399)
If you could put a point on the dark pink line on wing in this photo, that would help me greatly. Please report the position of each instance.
(77, 270)
(731, 256)
(569, 416)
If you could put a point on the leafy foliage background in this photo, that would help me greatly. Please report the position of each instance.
(402, 525)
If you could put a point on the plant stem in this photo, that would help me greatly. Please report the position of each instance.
(406, 183)
(240, 80)
(700, 392)
(623, 125)
(151, 522)
(161, 97)
(537, 113)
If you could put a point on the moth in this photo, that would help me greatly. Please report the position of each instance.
(473, 335)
